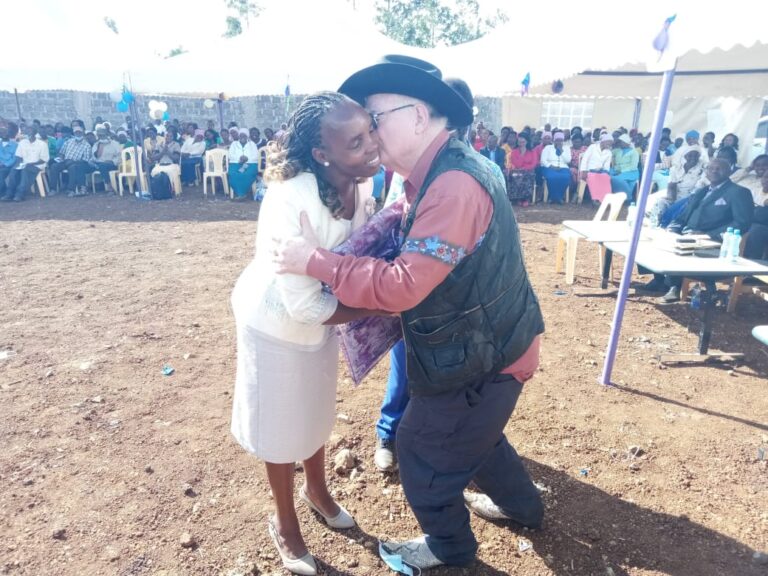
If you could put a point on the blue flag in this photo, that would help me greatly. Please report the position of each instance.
(524, 84)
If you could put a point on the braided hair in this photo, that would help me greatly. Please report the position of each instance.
(292, 154)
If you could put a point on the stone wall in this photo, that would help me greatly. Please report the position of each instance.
(261, 111)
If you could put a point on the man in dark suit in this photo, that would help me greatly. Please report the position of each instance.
(493, 152)
(711, 210)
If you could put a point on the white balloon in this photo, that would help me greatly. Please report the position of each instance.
(116, 96)
(208, 103)
(153, 104)
(163, 106)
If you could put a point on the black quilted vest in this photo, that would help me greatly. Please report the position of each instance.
(484, 315)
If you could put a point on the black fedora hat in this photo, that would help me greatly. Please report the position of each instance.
(397, 74)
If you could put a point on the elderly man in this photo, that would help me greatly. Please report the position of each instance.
(74, 157)
(106, 155)
(32, 154)
(710, 210)
(471, 320)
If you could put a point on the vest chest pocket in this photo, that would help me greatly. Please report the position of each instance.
(459, 351)
(450, 355)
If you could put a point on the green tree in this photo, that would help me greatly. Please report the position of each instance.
(234, 28)
(244, 10)
(430, 23)
(111, 24)
(176, 52)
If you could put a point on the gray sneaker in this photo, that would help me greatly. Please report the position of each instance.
(483, 506)
(672, 296)
(384, 458)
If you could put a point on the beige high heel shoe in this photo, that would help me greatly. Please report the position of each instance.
(343, 520)
(305, 565)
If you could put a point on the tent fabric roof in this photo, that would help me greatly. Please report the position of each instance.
(739, 72)
(317, 44)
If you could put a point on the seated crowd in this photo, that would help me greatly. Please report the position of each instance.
(70, 154)
(700, 187)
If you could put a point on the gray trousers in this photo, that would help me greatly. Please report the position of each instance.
(448, 440)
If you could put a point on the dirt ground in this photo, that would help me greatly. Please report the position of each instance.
(106, 463)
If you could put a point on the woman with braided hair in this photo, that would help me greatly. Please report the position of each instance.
(287, 353)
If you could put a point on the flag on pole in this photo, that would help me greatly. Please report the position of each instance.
(524, 84)
(287, 96)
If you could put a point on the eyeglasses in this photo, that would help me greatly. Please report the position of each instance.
(376, 115)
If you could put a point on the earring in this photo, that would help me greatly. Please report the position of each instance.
(326, 163)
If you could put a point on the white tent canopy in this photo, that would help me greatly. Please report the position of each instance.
(737, 72)
(317, 44)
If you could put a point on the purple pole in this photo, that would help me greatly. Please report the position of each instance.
(629, 264)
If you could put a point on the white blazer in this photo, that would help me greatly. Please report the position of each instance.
(292, 307)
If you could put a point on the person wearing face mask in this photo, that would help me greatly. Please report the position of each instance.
(106, 156)
(74, 157)
(31, 157)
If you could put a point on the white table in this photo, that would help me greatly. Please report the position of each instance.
(657, 257)
(600, 230)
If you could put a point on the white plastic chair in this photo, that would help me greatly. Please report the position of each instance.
(216, 166)
(581, 189)
(128, 170)
(568, 240)
(97, 174)
(42, 183)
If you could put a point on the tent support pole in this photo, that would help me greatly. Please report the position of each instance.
(636, 115)
(18, 106)
(629, 263)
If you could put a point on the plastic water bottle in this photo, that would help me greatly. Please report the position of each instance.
(735, 246)
(631, 215)
(726, 245)
(696, 297)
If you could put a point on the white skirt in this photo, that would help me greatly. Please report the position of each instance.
(285, 397)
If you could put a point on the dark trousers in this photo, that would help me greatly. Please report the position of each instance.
(54, 174)
(669, 281)
(188, 174)
(104, 168)
(448, 440)
(77, 173)
(20, 181)
(757, 242)
(5, 172)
